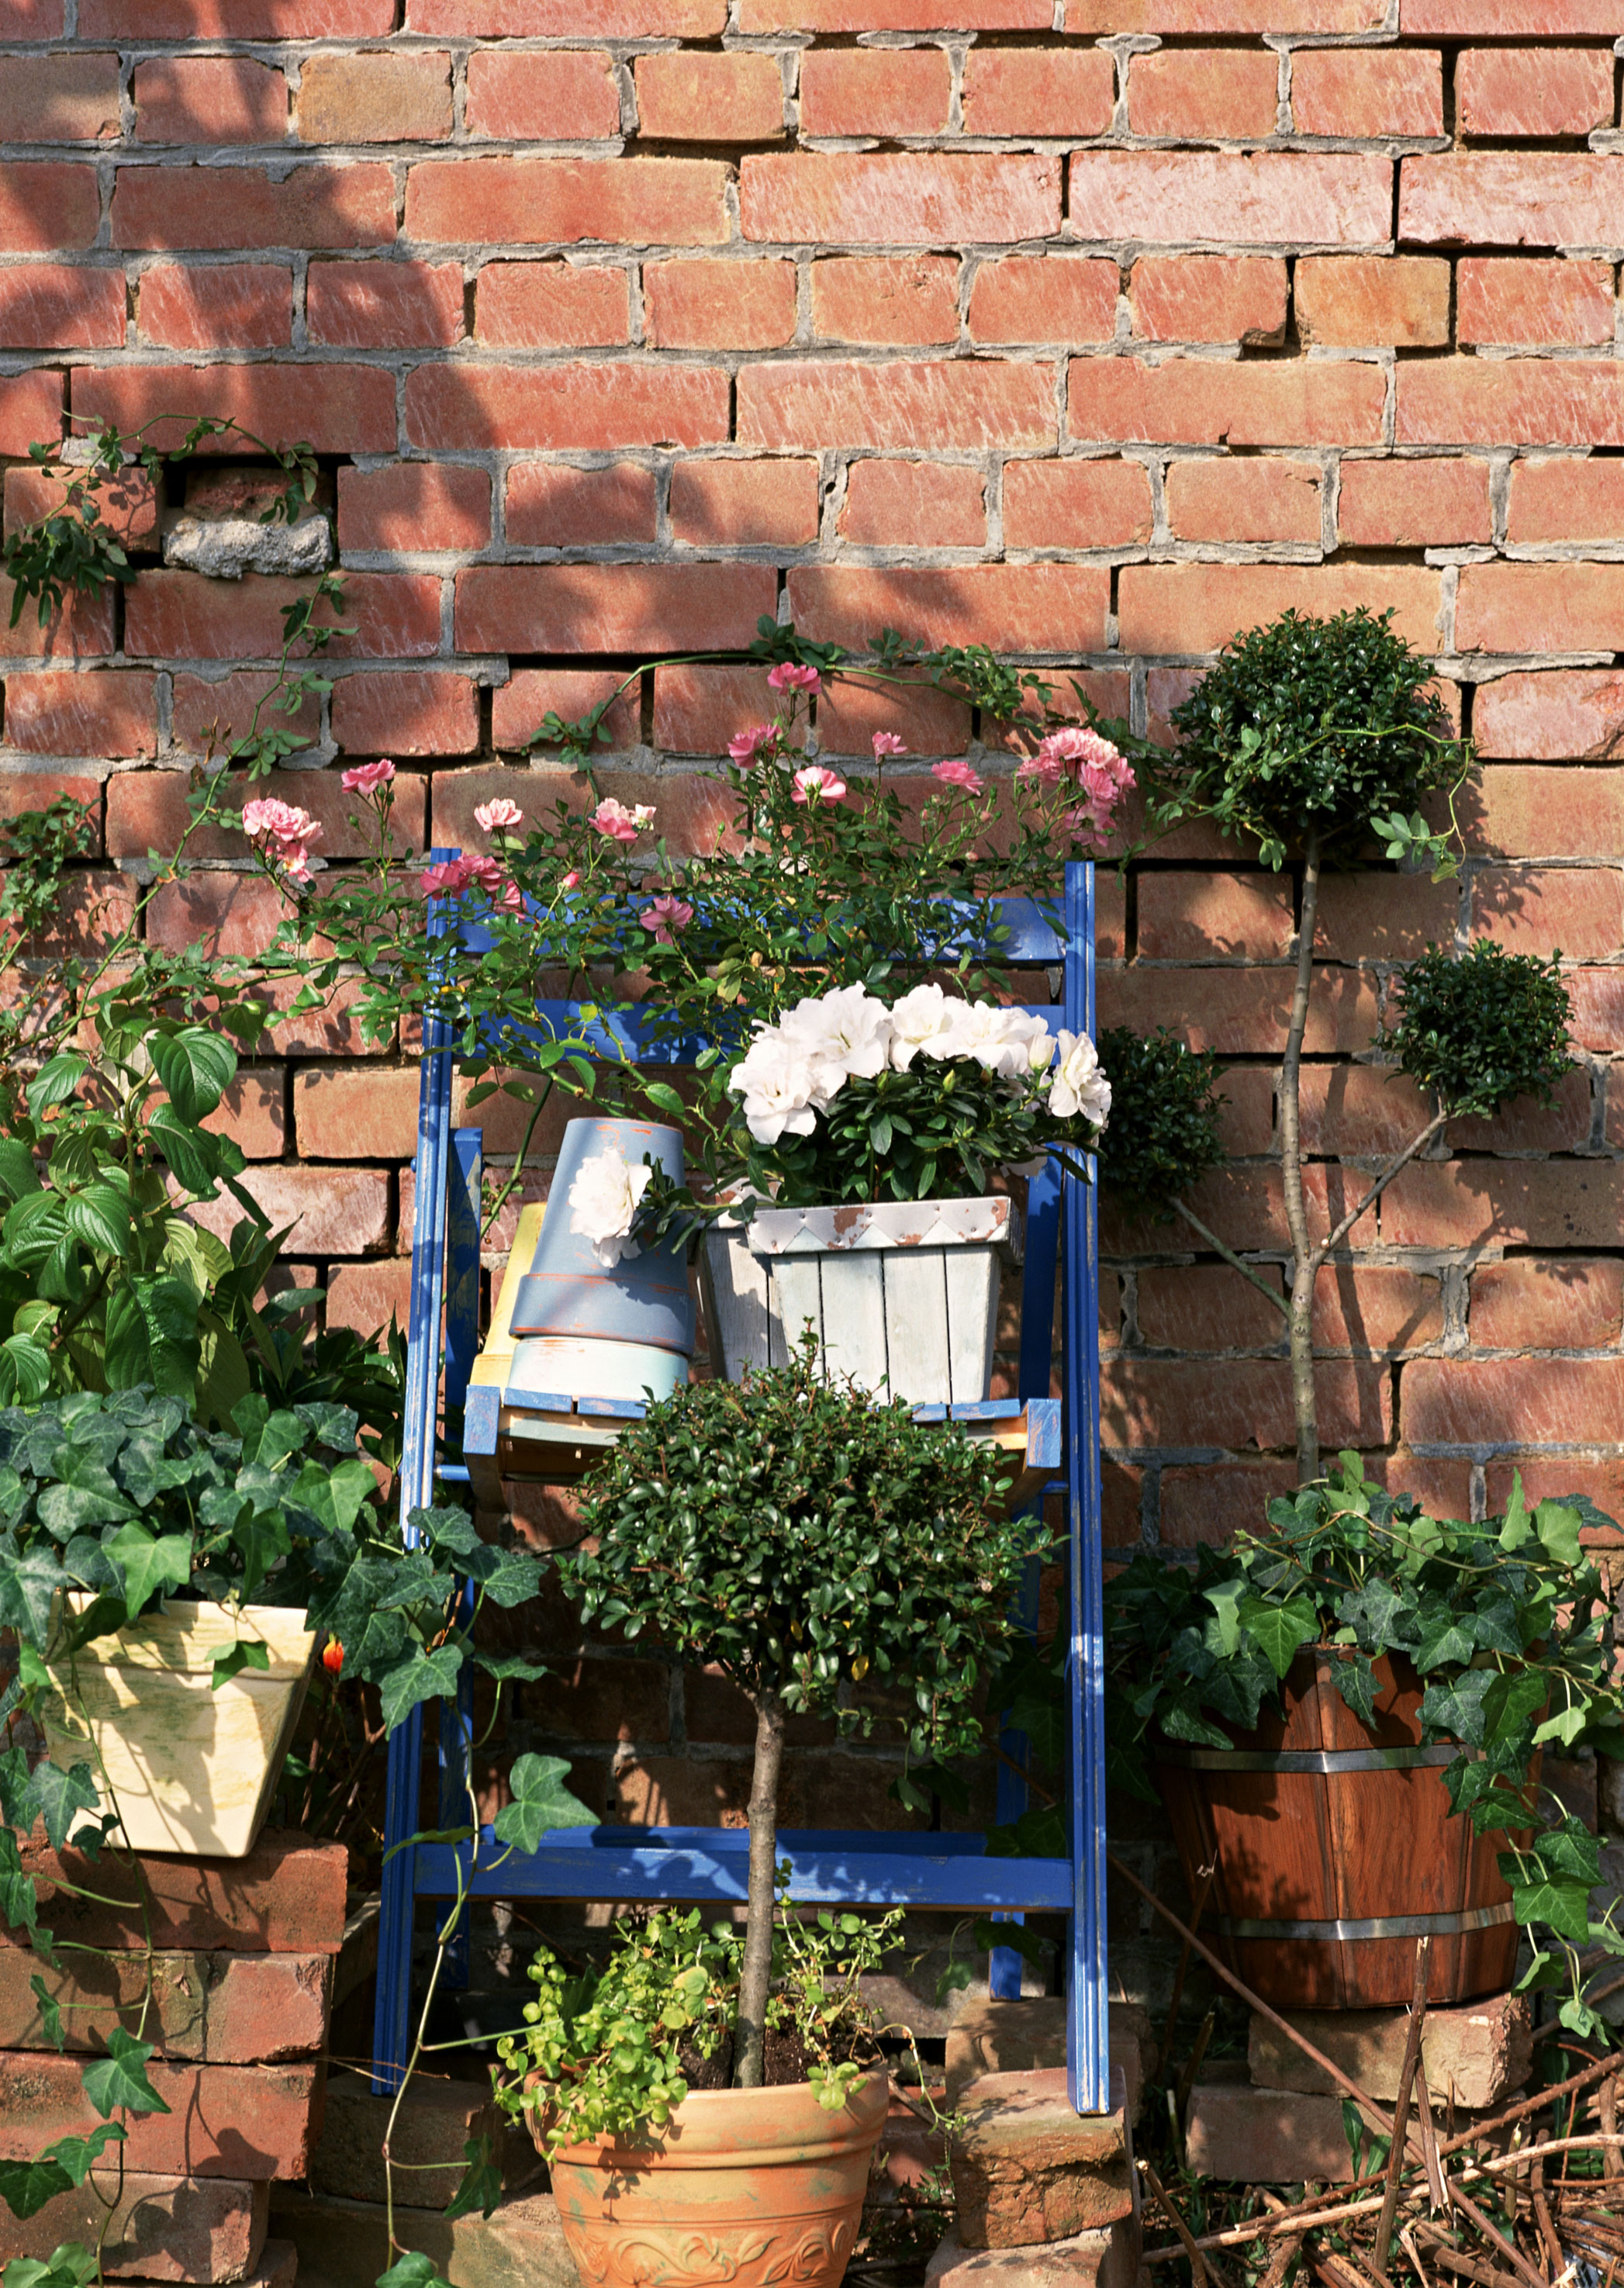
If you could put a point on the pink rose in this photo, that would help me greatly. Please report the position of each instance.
(448, 879)
(664, 916)
(786, 677)
(490, 817)
(367, 778)
(745, 746)
(958, 772)
(614, 820)
(570, 880)
(283, 834)
(887, 742)
(815, 784)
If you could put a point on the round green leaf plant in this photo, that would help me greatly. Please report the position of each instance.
(1508, 1623)
(820, 1550)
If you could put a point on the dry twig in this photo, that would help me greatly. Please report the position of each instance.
(1401, 2109)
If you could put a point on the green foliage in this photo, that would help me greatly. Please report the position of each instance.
(1313, 726)
(1163, 1136)
(804, 1539)
(540, 1802)
(1485, 1028)
(604, 2053)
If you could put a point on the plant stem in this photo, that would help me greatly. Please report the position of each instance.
(751, 2040)
(1302, 1317)
(1230, 1257)
(1417, 1143)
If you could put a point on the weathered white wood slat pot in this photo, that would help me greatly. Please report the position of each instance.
(190, 1769)
(901, 1295)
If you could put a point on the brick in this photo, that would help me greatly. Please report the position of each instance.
(1107, 2257)
(929, 198)
(1539, 718)
(316, 205)
(902, 299)
(182, 615)
(1523, 300)
(480, 202)
(1185, 916)
(1038, 92)
(1533, 91)
(376, 98)
(221, 2008)
(682, 97)
(60, 714)
(1374, 300)
(1244, 500)
(1413, 503)
(913, 504)
(1015, 608)
(639, 19)
(80, 628)
(1378, 917)
(46, 206)
(1521, 608)
(1076, 505)
(414, 504)
(1207, 1308)
(701, 306)
(1525, 1125)
(1242, 1011)
(568, 407)
(889, 91)
(210, 99)
(1026, 2168)
(1208, 297)
(563, 95)
(1522, 811)
(21, 791)
(337, 408)
(253, 1114)
(1476, 2054)
(1277, 197)
(94, 909)
(236, 19)
(553, 305)
(225, 913)
(698, 710)
(745, 504)
(1237, 16)
(1367, 91)
(550, 506)
(334, 1210)
(1204, 95)
(66, 98)
(52, 306)
(1489, 1402)
(1239, 1403)
(1364, 1110)
(410, 714)
(522, 2246)
(223, 2121)
(233, 305)
(1194, 607)
(32, 19)
(163, 2227)
(126, 502)
(1266, 2136)
(1054, 298)
(384, 305)
(286, 1897)
(597, 608)
(1566, 500)
(1375, 1308)
(1207, 1508)
(1515, 1203)
(850, 713)
(356, 1113)
(1246, 1122)
(962, 404)
(148, 810)
(1560, 1303)
(1510, 198)
(1598, 1009)
(1197, 401)
(224, 709)
(368, 1296)
(427, 2137)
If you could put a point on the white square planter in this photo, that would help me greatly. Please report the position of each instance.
(902, 1294)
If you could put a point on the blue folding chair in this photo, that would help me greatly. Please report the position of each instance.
(849, 1869)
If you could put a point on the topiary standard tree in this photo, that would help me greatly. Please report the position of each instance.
(1310, 736)
(804, 1540)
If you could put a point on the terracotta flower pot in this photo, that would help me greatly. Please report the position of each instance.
(752, 2188)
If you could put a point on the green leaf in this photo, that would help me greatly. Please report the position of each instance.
(541, 1802)
(1280, 1632)
(61, 1795)
(50, 2012)
(481, 2185)
(151, 1336)
(1225, 1598)
(664, 1098)
(99, 1216)
(25, 1370)
(1564, 1906)
(420, 1676)
(149, 1563)
(55, 1082)
(510, 1667)
(28, 1587)
(25, 2188)
(412, 2270)
(120, 2078)
(1557, 1527)
(246, 1653)
(1516, 1527)
(196, 1067)
(78, 2156)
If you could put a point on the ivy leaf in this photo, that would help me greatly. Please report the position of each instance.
(540, 1801)
(481, 2185)
(506, 1576)
(420, 1676)
(19, 1904)
(78, 2156)
(50, 2012)
(1557, 1527)
(28, 1587)
(25, 2188)
(120, 2078)
(1564, 1906)
(1456, 1708)
(60, 1796)
(1445, 1643)
(149, 1562)
(1516, 1527)
(247, 1652)
(1280, 1632)
(1223, 1597)
(412, 2270)
(511, 1667)
(1370, 1611)
(1356, 1681)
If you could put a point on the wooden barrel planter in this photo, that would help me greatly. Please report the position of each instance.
(1335, 1851)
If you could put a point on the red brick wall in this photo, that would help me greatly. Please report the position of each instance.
(1080, 329)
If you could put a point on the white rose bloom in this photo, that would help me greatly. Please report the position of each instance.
(920, 1020)
(1078, 1086)
(778, 1086)
(604, 1201)
(843, 1035)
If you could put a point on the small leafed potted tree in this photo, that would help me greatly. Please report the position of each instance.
(833, 1558)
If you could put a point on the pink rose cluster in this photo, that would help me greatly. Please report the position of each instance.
(282, 833)
(368, 778)
(787, 677)
(452, 876)
(616, 823)
(1097, 769)
(500, 816)
(664, 916)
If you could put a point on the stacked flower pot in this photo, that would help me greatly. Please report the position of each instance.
(240, 1986)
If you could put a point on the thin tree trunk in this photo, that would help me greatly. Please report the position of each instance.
(1302, 1320)
(749, 2041)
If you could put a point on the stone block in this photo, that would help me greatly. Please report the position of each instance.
(1474, 2052)
(435, 2122)
(230, 2009)
(286, 1897)
(1107, 2257)
(1014, 2036)
(1025, 2168)
(340, 2243)
(1272, 2136)
(278, 2266)
(198, 2230)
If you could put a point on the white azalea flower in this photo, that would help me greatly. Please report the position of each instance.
(1007, 1042)
(779, 1089)
(920, 1020)
(1079, 1086)
(842, 1035)
(604, 1201)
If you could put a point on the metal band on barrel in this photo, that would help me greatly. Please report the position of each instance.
(1444, 1926)
(1308, 1759)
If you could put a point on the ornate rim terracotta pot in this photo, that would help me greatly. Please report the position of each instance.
(747, 2188)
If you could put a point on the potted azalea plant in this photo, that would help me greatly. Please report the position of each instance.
(835, 1558)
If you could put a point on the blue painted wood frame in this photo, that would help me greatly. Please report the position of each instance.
(942, 1872)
